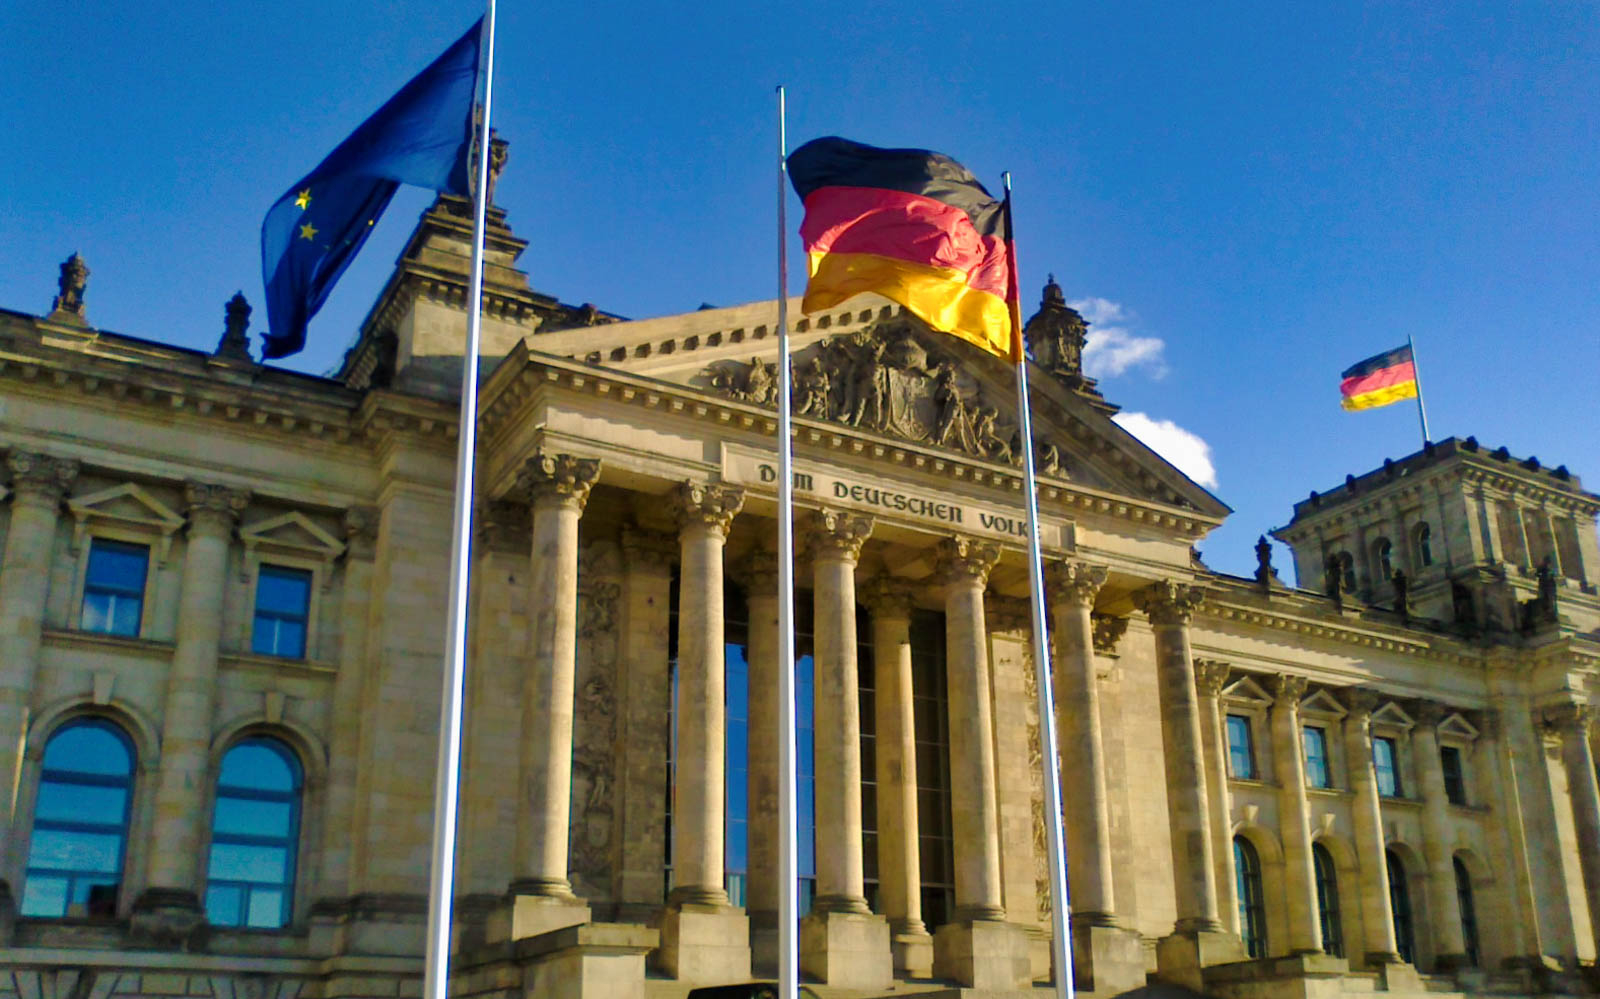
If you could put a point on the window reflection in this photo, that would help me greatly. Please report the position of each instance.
(80, 827)
(113, 587)
(254, 834)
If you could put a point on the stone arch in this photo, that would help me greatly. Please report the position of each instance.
(1347, 867)
(1274, 887)
(305, 744)
(1415, 867)
(140, 727)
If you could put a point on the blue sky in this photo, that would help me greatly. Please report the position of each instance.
(1246, 198)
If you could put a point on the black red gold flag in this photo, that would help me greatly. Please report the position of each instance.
(1379, 380)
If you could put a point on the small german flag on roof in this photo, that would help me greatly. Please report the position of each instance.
(1379, 380)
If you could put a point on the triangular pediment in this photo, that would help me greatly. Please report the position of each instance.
(128, 503)
(1246, 689)
(1393, 716)
(1457, 725)
(294, 532)
(1322, 703)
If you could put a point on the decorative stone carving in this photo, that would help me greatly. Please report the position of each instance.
(592, 840)
(212, 507)
(499, 155)
(885, 596)
(1077, 582)
(1056, 336)
(505, 527)
(40, 478)
(361, 531)
(1265, 574)
(1430, 713)
(1006, 615)
(839, 534)
(1287, 689)
(235, 342)
(648, 549)
(1569, 720)
(1211, 676)
(1361, 702)
(72, 283)
(1169, 602)
(714, 504)
(599, 609)
(558, 477)
(1108, 631)
(963, 558)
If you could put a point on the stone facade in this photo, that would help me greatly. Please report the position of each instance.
(1398, 751)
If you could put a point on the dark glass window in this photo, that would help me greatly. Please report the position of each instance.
(1400, 904)
(255, 831)
(80, 823)
(113, 588)
(1424, 546)
(1469, 914)
(1455, 786)
(1328, 900)
(1317, 771)
(283, 607)
(1386, 764)
(1384, 553)
(1252, 900)
(1241, 748)
(1346, 565)
(736, 707)
(931, 729)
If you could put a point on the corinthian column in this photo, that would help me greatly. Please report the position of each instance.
(1305, 929)
(1438, 840)
(703, 938)
(1210, 678)
(1377, 917)
(38, 484)
(1573, 722)
(841, 941)
(181, 790)
(758, 572)
(557, 487)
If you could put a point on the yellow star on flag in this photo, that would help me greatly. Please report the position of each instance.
(308, 231)
(303, 199)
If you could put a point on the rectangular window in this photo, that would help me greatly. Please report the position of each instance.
(113, 588)
(1241, 750)
(1455, 787)
(1316, 742)
(1386, 764)
(283, 606)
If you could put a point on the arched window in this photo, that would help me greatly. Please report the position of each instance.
(1383, 557)
(1328, 900)
(1252, 901)
(1400, 903)
(255, 831)
(1469, 915)
(80, 823)
(1422, 544)
(1347, 571)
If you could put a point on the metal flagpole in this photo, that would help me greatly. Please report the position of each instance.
(1061, 942)
(441, 883)
(788, 849)
(1416, 373)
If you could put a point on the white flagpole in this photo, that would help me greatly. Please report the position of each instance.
(441, 884)
(1060, 911)
(1416, 372)
(788, 849)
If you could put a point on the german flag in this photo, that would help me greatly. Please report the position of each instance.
(913, 226)
(1379, 380)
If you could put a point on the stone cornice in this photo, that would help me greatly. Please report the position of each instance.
(525, 373)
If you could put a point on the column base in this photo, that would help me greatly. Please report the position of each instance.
(520, 916)
(1180, 956)
(1444, 964)
(1394, 975)
(847, 949)
(705, 944)
(763, 942)
(983, 954)
(1106, 959)
(1313, 975)
(593, 959)
(911, 947)
(168, 919)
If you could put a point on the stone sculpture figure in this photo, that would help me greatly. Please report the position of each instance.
(989, 442)
(1264, 571)
(953, 417)
(73, 282)
(814, 387)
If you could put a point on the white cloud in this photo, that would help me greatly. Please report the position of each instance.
(1188, 451)
(1112, 347)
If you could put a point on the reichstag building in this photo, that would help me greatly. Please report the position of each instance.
(221, 635)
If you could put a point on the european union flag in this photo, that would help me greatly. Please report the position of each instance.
(421, 136)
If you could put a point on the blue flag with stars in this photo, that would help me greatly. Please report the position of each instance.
(421, 136)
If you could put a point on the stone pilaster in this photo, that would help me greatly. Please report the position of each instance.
(1294, 819)
(1573, 723)
(1377, 917)
(38, 484)
(841, 941)
(556, 487)
(1508, 856)
(758, 572)
(899, 854)
(1438, 841)
(1210, 679)
(1198, 938)
(703, 938)
(171, 903)
(978, 949)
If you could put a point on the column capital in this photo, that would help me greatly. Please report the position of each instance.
(361, 531)
(1430, 713)
(1489, 723)
(885, 596)
(213, 508)
(40, 478)
(504, 527)
(1287, 689)
(1075, 582)
(1007, 613)
(1570, 719)
(758, 572)
(558, 478)
(1210, 676)
(1108, 631)
(643, 548)
(1169, 602)
(1361, 702)
(838, 534)
(707, 504)
(965, 559)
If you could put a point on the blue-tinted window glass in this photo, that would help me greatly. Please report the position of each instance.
(1241, 751)
(254, 836)
(283, 605)
(113, 587)
(80, 825)
(1328, 900)
(1455, 784)
(1385, 763)
(1316, 743)
(1252, 899)
(1400, 906)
